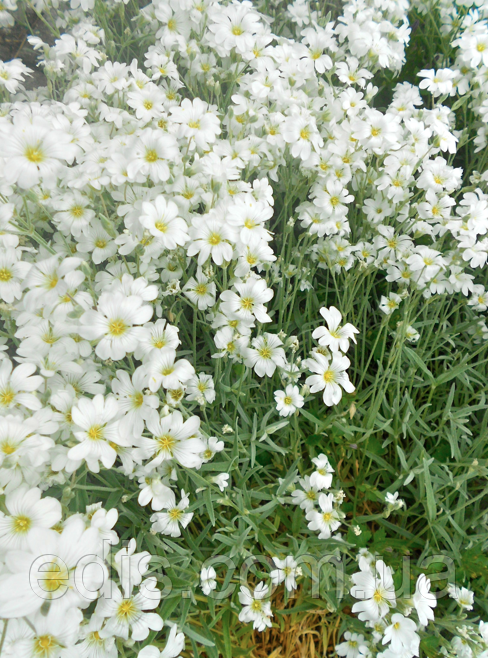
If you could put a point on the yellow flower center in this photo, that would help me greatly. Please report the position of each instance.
(7, 396)
(5, 274)
(166, 443)
(117, 327)
(328, 376)
(34, 154)
(175, 514)
(77, 211)
(287, 400)
(201, 289)
(151, 155)
(375, 132)
(159, 343)
(161, 226)
(247, 303)
(126, 609)
(95, 433)
(7, 447)
(100, 243)
(51, 281)
(137, 400)
(305, 133)
(44, 644)
(53, 578)
(327, 516)
(214, 239)
(195, 125)
(256, 605)
(148, 105)
(21, 524)
(237, 30)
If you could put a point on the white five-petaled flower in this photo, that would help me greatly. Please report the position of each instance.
(402, 635)
(27, 512)
(289, 400)
(334, 336)
(17, 386)
(376, 591)
(265, 355)
(331, 376)
(97, 431)
(286, 571)
(128, 615)
(161, 218)
(325, 521)
(114, 323)
(172, 438)
(256, 607)
(169, 522)
(249, 303)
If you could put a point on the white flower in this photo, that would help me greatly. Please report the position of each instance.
(198, 122)
(353, 647)
(390, 303)
(131, 566)
(376, 591)
(164, 371)
(250, 302)
(331, 376)
(286, 571)
(321, 478)
(27, 512)
(464, 597)
(114, 323)
(265, 355)
(334, 336)
(161, 219)
(17, 386)
(173, 438)
(424, 600)
(96, 433)
(201, 387)
(327, 520)
(255, 607)
(289, 400)
(200, 291)
(221, 480)
(132, 399)
(60, 568)
(168, 523)
(174, 646)
(307, 497)
(127, 615)
(207, 580)
(154, 491)
(35, 151)
(401, 634)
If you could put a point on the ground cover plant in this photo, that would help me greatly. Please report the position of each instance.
(243, 358)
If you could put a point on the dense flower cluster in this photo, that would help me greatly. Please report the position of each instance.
(135, 195)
